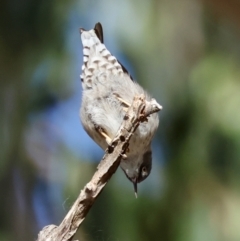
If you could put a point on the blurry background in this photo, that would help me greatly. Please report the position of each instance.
(186, 53)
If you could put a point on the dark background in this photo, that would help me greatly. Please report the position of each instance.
(186, 53)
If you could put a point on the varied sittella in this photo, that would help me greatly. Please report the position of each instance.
(108, 90)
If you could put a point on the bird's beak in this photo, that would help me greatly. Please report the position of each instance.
(135, 186)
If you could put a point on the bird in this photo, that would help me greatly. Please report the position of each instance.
(107, 92)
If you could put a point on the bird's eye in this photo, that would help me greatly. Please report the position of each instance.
(144, 171)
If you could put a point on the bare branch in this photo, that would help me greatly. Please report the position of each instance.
(137, 113)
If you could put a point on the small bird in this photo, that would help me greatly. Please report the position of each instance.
(108, 91)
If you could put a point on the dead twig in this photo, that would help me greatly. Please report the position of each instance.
(137, 113)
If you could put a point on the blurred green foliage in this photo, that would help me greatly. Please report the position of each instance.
(186, 53)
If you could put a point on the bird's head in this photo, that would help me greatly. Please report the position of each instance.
(137, 168)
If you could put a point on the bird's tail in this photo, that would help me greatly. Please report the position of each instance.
(97, 60)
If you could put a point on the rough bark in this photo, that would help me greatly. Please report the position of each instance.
(137, 113)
